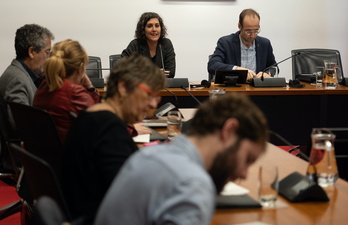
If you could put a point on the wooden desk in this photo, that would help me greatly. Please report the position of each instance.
(333, 212)
(291, 112)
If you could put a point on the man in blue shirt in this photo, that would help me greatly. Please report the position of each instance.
(244, 49)
(170, 184)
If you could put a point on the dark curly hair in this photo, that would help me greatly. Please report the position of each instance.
(31, 35)
(144, 18)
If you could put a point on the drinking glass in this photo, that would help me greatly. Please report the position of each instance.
(216, 92)
(173, 123)
(319, 72)
(268, 185)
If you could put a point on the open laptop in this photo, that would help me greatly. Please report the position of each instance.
(231, 78)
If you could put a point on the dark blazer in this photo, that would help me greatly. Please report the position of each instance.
(227, 54)
(16, 84)
(168, 53)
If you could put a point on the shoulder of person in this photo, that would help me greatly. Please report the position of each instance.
(261, 40)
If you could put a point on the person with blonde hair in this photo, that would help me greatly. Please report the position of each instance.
(66, 88)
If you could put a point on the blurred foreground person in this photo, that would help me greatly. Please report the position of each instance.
(170, 184)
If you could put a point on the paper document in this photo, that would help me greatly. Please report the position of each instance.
(234, 189)
(142, 138)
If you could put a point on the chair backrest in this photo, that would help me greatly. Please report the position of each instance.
(113, 60)
(41, 178)
(38, 132)
(94, 67)
(47, 212)
(306, 61)
(8, 165)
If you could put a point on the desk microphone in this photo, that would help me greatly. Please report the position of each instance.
(176, 97)
(276, 64)
(160, 46)
(191, 95)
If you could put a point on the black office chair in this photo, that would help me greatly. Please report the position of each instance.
(113, 59)
(38, 132)
(41, 177)
(306, 61)
(94, 67)
(9, 166)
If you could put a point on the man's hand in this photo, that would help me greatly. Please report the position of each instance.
(251, 73)
(265, 75)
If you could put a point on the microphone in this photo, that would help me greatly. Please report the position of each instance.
(191, 95)
(176, 97)
(277, 63)
(160, 46)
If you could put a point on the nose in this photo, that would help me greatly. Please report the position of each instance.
(153, 102)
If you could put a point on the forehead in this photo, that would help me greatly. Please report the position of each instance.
(251, 21)
(152, 21)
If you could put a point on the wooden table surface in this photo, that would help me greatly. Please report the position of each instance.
(318, 213)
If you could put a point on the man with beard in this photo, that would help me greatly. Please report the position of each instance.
(169, 183)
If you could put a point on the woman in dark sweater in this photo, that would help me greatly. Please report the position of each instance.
(98, 142)
(150, 41)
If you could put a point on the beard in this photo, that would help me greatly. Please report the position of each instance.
(224, 167)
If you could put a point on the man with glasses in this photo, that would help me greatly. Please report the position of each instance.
(20, 80)
(244, 49)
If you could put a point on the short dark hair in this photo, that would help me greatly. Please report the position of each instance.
(31, 35)
(212, 115)
(144, 18)
(133, 70)
(247, 12)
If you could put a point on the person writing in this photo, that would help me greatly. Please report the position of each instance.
(150, 41)
(244, 50)
(66, 88)
(98, 142)
(170, 184)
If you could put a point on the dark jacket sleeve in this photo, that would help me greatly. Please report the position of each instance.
(169, 57)
(226, 55)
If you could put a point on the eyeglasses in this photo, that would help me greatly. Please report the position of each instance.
(47, 51)
(250, 32)
(149, 92)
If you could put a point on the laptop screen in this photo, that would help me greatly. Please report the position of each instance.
(231, 77)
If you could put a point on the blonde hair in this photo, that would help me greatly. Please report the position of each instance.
(66, 57)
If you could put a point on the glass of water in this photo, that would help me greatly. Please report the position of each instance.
(268, 185)
(173, 123)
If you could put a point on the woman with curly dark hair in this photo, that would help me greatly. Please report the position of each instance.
(150, 41)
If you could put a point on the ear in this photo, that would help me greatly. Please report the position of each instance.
(239, 26)
(122, 90)
(31, 52)
(228, 131)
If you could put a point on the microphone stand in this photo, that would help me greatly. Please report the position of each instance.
(191, 95)
(272, 82)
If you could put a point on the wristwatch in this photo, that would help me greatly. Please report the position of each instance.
(92, 89)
